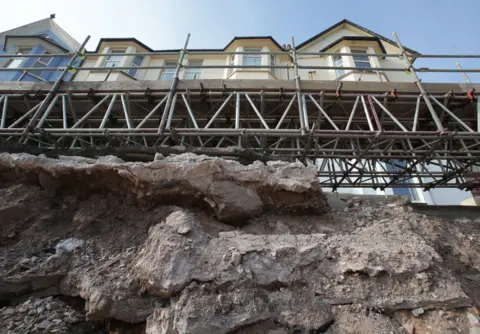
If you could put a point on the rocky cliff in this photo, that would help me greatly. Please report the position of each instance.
(192, 244)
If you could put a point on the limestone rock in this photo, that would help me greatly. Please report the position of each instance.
(238, 192)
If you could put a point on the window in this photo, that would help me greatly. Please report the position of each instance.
(169, 72)
(252, 60)
(41, 62)
(232, 63)
(115, 59)
(361, 59)
(194, 73)
(136, 62)
(272, 63)
(338, 62)
(16, 62)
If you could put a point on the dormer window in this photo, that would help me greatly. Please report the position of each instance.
(115, 59)
(17, 61)
(42, 62)
(252, 59)
(361, 59)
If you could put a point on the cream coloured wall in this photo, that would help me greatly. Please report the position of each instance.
(239, 45)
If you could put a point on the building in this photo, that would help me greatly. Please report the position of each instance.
(347, 99)
(344, 37)
(43, 37)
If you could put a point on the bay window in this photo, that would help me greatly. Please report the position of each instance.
(252, 59)
(136, 62)
(361, 59)
(115, 58)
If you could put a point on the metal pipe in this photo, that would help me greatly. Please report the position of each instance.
(415, 118)
(172, 111)
(410, 68)
(352, 114)
(151, 113)
(125, 111)
(220, 52)
(64, 111)
(237, 111)
(173, 87)
(370, 125)
(285, 112)
(107, 113)
(400, 125)
(324, 113)
(305, 113)
(90, 112)
(4, 110)
(297, 86)
(47, 112)
(190, 112)
(465, 126)
(218, 111)
(257, 112)
(57, 83)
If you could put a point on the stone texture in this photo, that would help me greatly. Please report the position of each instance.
(154, 258)
(234, 191)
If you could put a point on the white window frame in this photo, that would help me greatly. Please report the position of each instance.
(133, 71)
(114, 53)
(169, 70)
(231, 63)
(339, 72)
(43, 64)
(272, 63)
(253, 59)
(196, 73)
(17, 61)
(363, 53)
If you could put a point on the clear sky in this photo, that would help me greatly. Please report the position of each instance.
(427, 26)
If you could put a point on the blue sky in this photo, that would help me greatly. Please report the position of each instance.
(427, 26)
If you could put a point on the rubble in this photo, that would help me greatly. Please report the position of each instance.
(80, 249)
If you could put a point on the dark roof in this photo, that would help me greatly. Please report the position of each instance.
(254, 37)
(42, 37)
(355, 38)
(126, 39)
(134, 40)
(345, 21)
(376, 37)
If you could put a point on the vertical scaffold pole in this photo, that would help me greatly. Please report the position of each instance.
(301, 114)
(409, 67)
(168, 110)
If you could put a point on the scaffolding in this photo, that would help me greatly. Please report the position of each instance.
(357, 134)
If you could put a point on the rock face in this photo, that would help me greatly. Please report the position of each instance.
(235, 192)
(90, 240)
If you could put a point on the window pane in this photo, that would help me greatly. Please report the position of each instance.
(168, 73)
(194, 73)
(14, 63)
(24, 51)
(361, 59)
(252, 60)
(137, 61)
(338, 62)
(361, 64)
